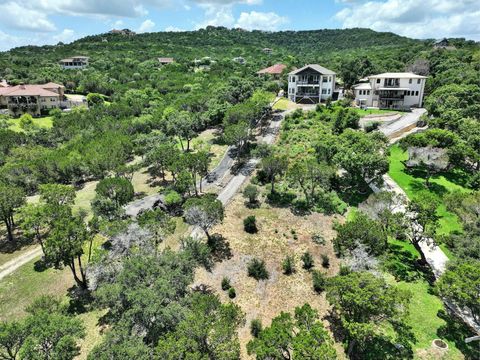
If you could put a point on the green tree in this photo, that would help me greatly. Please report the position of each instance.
(274, 166)
(12, 338)
(365, 306)
(57, 194)
(460, 285)
(209, 330)
(64, 246)
(204, 212)
(310, 175)
(159, 223)
(11, 198)
(363, 157)
(111, 195)
(303, 337)
(361, 230)
(424, 213)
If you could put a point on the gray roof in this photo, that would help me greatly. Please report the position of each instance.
(316, 67)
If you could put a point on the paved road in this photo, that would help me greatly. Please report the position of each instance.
(406, 122)
(12, 265)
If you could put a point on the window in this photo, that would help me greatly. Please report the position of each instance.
(378, 81)
(329, 79)
(416, 93)
(324, 91)
(329, 91)
(419, 81)
(368, 92)
(410, 81)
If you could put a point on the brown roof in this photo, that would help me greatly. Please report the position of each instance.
(52, 85)
(273, 70)
(27, 90)
(166, 60)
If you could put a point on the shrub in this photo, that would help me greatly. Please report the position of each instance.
(319, 281)
(226, 284)
(231, 293)
(256, 269)
(250, 224)
(344, 270)
(307, 261)
(318, 239)
(371, 126)
(251, 193)
(172, 199)
(255, 327)
(325, 261)
(288, 265)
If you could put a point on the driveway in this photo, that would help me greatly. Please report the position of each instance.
(405, 123)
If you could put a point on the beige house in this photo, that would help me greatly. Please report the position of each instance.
(31, 99)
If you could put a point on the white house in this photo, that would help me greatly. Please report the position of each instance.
(400, 91)
(311, 84)
(75, 62)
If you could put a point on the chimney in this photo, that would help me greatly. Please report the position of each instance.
(22, 86)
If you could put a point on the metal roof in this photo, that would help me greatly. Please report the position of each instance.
(316, 67)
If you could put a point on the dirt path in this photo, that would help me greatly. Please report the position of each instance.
(12, 265)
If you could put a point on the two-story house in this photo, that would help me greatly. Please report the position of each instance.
(75, 62)
(311, 84)
(400, 91)
(32, 99)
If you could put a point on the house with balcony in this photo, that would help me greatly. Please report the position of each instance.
(396, 91)
(31, 99)
(311, 84)
(75, 62)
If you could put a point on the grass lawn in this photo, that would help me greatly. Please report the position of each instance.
(440, 185)
(283, 104)
(210, 140)
(19, 289)
(43, 122)
(365, 112)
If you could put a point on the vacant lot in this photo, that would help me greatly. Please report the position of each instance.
(280, 234)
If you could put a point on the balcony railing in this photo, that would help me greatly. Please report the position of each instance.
(308, 83)
(303, 94)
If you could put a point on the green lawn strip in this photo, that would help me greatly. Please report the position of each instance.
(20, 288)
(411, 185)
(365, 112)
(281, 104)
(42, 122)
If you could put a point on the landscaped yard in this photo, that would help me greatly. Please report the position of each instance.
(42, 122)
(440, 185)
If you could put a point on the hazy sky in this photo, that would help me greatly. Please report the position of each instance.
(50, 21)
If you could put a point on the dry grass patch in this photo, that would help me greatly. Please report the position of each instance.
(273, 242)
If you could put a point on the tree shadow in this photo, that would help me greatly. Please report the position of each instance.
(9, 247)
(354, 198)
(435, 188)
(220, 248)
(41, 265)
(405, 266)
(80, 300)
(281, 199)
(456, 332)
(456, 176)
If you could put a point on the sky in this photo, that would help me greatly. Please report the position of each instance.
(39, 22)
